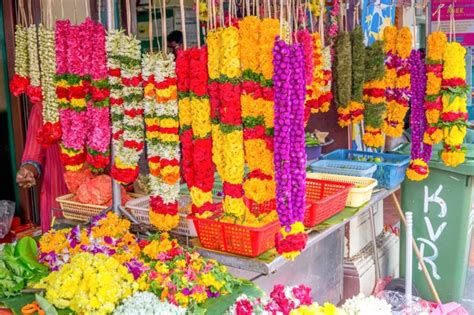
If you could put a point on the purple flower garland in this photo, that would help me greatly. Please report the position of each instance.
(418, 118)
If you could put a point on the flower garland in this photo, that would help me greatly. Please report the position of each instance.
(20, 80)
(343, 79)
(398, 102)
(71, 92)
(391, 66)
(454, 97)
(129, 137)
(33, 90)
(436, 46)
(162, 134)
(374, 95)
(306, 40)
(358, 75)
(289, 158)
(420, 152)
(51, 129)
(316, 100)
(98, 110)
(89, 284)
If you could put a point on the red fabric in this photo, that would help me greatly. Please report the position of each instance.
(53, 184)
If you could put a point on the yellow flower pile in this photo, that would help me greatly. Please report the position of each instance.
(89, 284)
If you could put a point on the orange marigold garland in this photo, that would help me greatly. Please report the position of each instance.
(436, 46)
(454, 97)
(374, 96)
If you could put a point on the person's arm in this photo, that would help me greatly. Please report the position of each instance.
(34, 152)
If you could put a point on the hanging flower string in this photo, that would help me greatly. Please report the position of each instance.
(343, 78)
(33, 90)
(358, 75)
(98, 110)
(51, 129)
(420, 152)
(163, 138)
(392, 62)
(290, 158)
(454, 97)
(20, 80)
(436, 45)
(374, 95)
(398, 101)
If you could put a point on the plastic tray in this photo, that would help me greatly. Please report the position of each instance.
(324, 199)
(359, 194)
(390, 169)
(140, 208)
(236, 239)
(74, 210)
(349, 168)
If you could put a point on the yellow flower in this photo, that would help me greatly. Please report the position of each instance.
(164, 222)
(210, 281)
(249, 31)
(259, 190)
(433, 84)
(404, 42)
(432, 116)
(213, 51)
(454, 135)
(200, 197)
(403, 81)
(230, 52)
(434, 138)
(454, 63)
(391, 77)
(233, 157)
(458, 104)
(372, 139)
(412, 174)
(390, 38)
(436, 46)
(199, 297)
(169, 123)
(182, 299)
(201, 117)
(185, 115)
(234, 206)
(269, 29)
(453, 158)
(217, 148)
(258, 156)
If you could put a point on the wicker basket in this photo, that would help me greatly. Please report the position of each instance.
(140, 207)
(359, 194)
(75, 210)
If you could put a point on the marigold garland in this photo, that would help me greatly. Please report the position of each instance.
(374, 96)
(454, 100)
(398, 101)
(358, 75)
(342, 76)
(51, 129)
(20, 80)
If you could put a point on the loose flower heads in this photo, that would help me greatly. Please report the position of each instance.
(374, 96)
(290, 157)
(454, 97)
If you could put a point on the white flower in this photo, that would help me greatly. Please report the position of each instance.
(146, 303)
(360, 305)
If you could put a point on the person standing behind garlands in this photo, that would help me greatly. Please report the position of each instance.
(39, 162)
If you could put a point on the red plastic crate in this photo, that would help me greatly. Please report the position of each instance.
(324, 199)
(236, 239)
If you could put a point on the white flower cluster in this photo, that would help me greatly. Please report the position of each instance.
(361, 305)
(47, 57)
(35, 77)
(326, 53)
(21, 51)
(146, 303)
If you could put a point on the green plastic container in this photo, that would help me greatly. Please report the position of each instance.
(441, 207)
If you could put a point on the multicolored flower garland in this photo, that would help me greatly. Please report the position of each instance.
(162, 133)
(125, 75)
(290, 157)
(358, 75)
(20, 80)
(420, 152)
(98, 110)
(454, 97)
(374, 96)
(51, 129)
(436, 46)
(343, 78)
(398, 102)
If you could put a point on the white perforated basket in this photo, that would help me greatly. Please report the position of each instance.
(359, 194)
(140, 207)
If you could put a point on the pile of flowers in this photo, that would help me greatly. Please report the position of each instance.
(374, 96)
(361, 305)
(454, 98)
(146, 303)
(294, 300)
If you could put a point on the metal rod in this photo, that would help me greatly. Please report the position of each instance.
(409, 257)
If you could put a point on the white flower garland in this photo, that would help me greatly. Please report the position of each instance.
(47, 56)
(21, 51)
(34, 71)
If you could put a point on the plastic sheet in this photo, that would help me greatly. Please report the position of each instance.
(7, 211)
(400, 305)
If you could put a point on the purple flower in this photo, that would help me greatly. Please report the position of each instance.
(136, 268)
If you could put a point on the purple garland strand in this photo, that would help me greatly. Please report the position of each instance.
(289, 156)
(418, 119)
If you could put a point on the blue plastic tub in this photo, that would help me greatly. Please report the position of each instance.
(390, 167)
(348, 168)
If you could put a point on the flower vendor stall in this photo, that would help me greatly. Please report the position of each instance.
(235, 217)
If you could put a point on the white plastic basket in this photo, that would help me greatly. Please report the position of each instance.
(359, 194)
(141, 206)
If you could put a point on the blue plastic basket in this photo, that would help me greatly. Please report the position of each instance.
(390, 168)
(348, 168)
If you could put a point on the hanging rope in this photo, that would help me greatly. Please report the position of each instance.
(163, 29)
(414, 24)
(198, 29)
(129, 17)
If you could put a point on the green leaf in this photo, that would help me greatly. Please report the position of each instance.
(27, 251)
(219, 305)
(16, 303)
(47, 307)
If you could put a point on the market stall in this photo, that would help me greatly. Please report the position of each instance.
(194, 186)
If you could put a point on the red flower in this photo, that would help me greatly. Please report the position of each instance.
(291, 243)
(453, 82)
(230, 110)
(233, 190)
(77, 92)
(99, 94)
(134, 112)
(422, 170)
(182, 70)
(268, 93)
(125, 176)
(116, 101)
(214, 88)
(62, 92)
(303, 294)
(250, 87)
(132, 144)
(34, 94)
(135, 81)
(403, 71)
(243, 307)
(143, 243)
(73, 160)
(117, 135)
(187, 157)
(259, 175)
(99, 161)
(453, 116)
(258, 132)
(437, 104)
(166, 83)
(202, 164)
(49, 134)
(159, 206)
(115, 72)
(19, 84)
(205, 207)
(374, 92)
(437, 69)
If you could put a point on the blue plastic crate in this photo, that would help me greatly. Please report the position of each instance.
(390, 167)
(348, 168)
